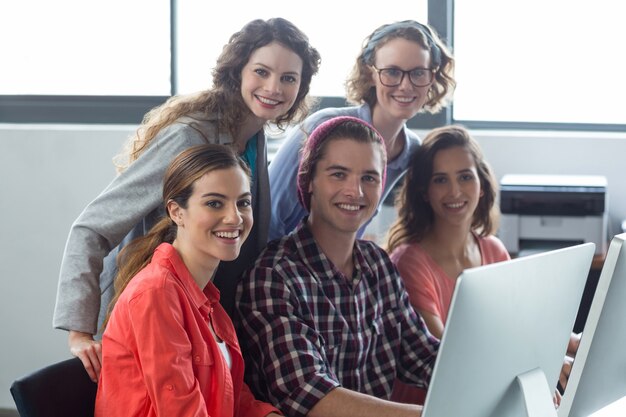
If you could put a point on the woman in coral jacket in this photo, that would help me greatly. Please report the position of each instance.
(169, 348)
(262, 76)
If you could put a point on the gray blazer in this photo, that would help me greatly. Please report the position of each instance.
(127, 208)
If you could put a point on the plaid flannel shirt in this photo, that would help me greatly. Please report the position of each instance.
(305, 328)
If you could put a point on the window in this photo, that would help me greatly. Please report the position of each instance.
(536, 61)
(85, 48)
(109, 62)
(337, 31)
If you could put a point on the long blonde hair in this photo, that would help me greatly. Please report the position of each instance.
(224, 99)
(178, 183)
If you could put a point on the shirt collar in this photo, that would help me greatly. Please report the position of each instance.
(206, 301)
(315, 259)
(364, 112)
(402, 160)
(165, 255)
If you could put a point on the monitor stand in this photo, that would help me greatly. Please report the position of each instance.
(529, 396)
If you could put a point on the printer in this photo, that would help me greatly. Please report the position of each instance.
(545, 212)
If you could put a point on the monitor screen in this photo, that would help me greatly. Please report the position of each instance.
(598, 376)
(506, 336)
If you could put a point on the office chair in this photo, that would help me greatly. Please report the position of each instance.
(59, 390)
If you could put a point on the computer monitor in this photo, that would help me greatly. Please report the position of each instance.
(506, 336)
(598, 376)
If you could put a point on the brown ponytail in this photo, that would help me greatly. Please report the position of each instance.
(180, 177)
(137, 254)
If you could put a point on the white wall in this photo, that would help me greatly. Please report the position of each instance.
(49, 173)
(562, 153)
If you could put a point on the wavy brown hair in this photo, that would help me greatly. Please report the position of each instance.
(415, 214)
(359, 86)
(224, 98)
(178, 184)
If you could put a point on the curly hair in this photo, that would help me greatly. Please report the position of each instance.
(415, 214)
(359, 86)
(224, 98)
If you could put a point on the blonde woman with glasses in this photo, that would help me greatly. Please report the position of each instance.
(403, 69)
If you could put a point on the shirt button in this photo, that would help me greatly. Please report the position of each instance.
(197, 359)
(169, 387)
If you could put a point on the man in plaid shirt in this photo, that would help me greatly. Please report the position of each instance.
(324, 320)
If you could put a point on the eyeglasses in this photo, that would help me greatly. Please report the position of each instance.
(392, 77)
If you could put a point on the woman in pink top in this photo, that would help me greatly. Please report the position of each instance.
(446, 219)
(169, 348)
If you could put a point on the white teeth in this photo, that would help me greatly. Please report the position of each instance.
(455, 205)
(267, 101)
(350, 207)
(404, 99)
(228, 235)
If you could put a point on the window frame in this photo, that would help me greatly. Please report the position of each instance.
(87, 109)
